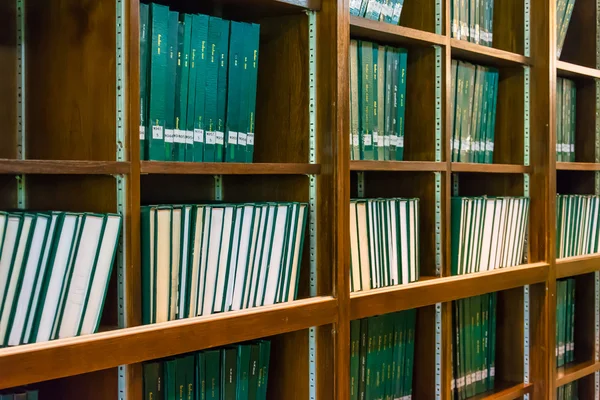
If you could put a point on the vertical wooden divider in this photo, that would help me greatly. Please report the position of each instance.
(133, 294)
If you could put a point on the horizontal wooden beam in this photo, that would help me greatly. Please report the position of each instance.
(468, 51)
(363, 28)
(571, 266)
(490, 168)
(506, 392)
(573, 372)
(63, 167)
(568, 70)
(202, 168)
(408, 166)
(66, 357)
(438, 290)
(577, 166)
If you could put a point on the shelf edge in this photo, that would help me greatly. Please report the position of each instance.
(576, 372)
(63, 167)
(490, 168)
(571, 266)
(192, 168)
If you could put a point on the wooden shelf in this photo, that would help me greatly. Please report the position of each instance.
(439, 290)
(192, 168)
(461, 49)
(490, 168)
(506, 391)
(394, 34)
(574, 71)
(577, 166)
(572, 266)
(63, 167)
(412, 166)
(574, 371)
(66, 357)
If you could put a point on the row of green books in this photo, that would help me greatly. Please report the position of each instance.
(238, 372)
(577, 225)
(564, 10)
(565, 321)
(382, 356)
(473, 345)
(487, 233)
(568, 391)
(377, 101)
(19, 395)
(379, 10)
(54, 273)
(473, 20)
(566, 119)
(474, 97)
(198, 77)
(384, 242)
(208, 258)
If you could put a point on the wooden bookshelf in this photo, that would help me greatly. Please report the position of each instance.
(72, 143)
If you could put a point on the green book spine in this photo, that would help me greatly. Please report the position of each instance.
(200, 36)
(254, 372)
(454, 71)
(566, 121)
(482, 32)
(485, 95)
(150, 371)
(492, 356)
(572, 320)
(223, 47)
(159, 17)
(200, 368)
(460, 89)
(374, 102)
(491, 128)
(573, 120)
(32, 395)
(564, 27)
(478, 86)
(480, 384)
(476, 35)
(366, 87)
(471, 15)
(181, 378)
(229, 373)
(243, 371)
(213, 374)
(363, 8)
(234, 90)
(395, 56)
(383, 365)
(370, 385)
(467, 110)
(263, 363)
(170, 380)
(362, 359)
(464, 19)
(254, 39)
(410, 352)
(170, 100)
(181, 86)
(144, 51)
(559, 114)
(354, 358)
(387, 120)
(397, 11)
(244, 102)
(210, 104)
(457, 350)
(194, 56)
(373, 10)
(454, 16)
(354, 102)
(561, 7)
(381, 67)
(401, 103)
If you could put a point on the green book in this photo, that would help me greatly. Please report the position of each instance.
(193, 56)
(181, 374)
(365, 54)
(213, 374)
(411, 316)
(381, 67)
(253, 378)
(243, 371)
(573, 120)
(170, 100)
(144, 62)
(561, 7)
(234, 90)
(571, 348)
(151, 376)
(229, 373)
(159, 17)
(184, 34)
(566, 120)
(200, 381)
(253, 39)
(466, 135)
(374, 103)
(485, 96)
(388, 94)
(170, 379)
(491, 125)
(200, 36)
(464, 19)
(478, 88)
(458, 110)
(32, 395)
(188, 367)
(354, 358)
(263, 363)
(559, 117)
(243, 117)
(354, 102)
(564, 25)
(210, 105)
(223, 64)
(394, 130)
(403, 63)
(362, 358)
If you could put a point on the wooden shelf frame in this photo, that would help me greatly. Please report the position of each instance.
(572, 372)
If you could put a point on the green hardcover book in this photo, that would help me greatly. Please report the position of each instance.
(561, 7)
(403, 63)
(151, 380)
(373, 10)
(244, 101)
(210, 102)
(144, 64)
(453, 72)
(200, 36)
(184, 34)
(200, 381)
(573, 120)
(464, 19)
(370, 392)
(170, 380)
(492, 357)
(190, 376)
(568, 124)
(471, 19)
(564, 25)
(466, 134)
(482, 32)
(491, 125)
(354, 102)
(254, 372)
(485, 96)
(253, 39)
(559, 115)
(263, 363)
(381, 68)
(374, 103)
(194, 55)
(229, 373)
(32, 395)
(223, 47)
(410, 352)
(159, 20)
(365, 59)
(213, 374)
(383, 363)
(479, 384)
(468, 341)
(181, 378)
(234, 90)
(354, 358)
(572, 320)
(478, 88)
(389, 93)
(454, 18)
(397, 11)
(170, 100)
(362, 359)
(460, 89)
(243, 371)
(395, 56)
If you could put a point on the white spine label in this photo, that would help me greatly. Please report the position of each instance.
(142, 133)
(367, 139)
(189, 137)
(157, 132)
(210, 137)
(386, 141)
(219, 137)
(169, 136)
(250, 139)
(242, 138)
(199, 135)
(355, 141)
(232, 138)
(400, 142)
